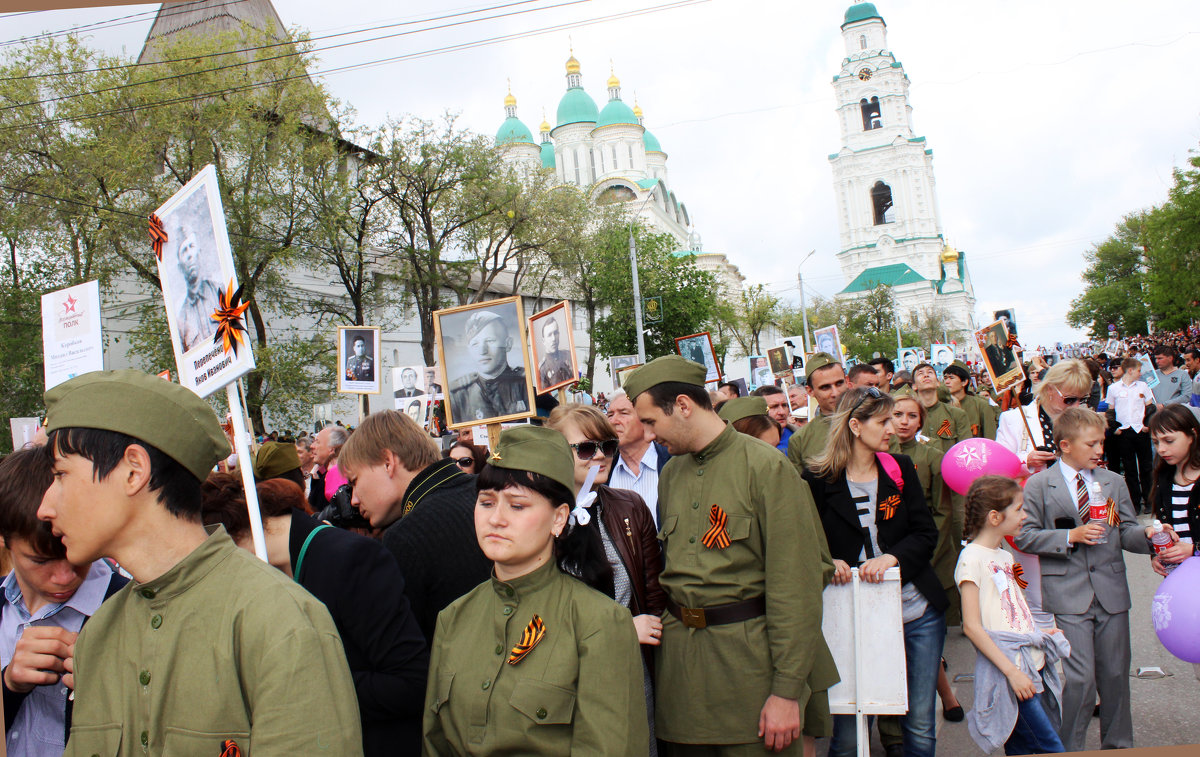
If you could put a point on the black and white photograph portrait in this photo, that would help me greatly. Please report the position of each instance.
(699, 348)
(482, 349)
(1008, 317)
(408, 381)
(553, 348)
(358, 351)
(618, 362)
(908, 358)
(941, 356)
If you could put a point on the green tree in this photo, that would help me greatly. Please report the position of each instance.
(1114, 283)
(1172, 250)
(746, 319)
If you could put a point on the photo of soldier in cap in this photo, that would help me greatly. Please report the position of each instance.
(482, 347)
(357, 348)
(192, 270)
(553, 347)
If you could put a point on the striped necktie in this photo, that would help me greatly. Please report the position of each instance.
(1082, 497)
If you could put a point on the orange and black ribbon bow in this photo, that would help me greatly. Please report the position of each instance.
(945, 429)
(530, 637)
(158, 235)
(889, 505)
(1018, 572)
(1012, 341)
(716, 536)
(1113, 517)
(229, 748)
(230, 329)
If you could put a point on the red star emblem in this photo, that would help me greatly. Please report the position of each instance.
(69, 304)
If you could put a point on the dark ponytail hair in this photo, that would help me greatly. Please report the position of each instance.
(1174, 418)
(987, 494)
(579, 551)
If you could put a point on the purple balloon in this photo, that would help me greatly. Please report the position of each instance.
(1176, 611)
(972, 458)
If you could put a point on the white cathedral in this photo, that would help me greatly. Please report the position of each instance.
(890, 232)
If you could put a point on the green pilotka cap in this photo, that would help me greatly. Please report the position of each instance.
(742, 407)
(274, 459)
(160, 413)
(817, 361)
(663, 370)
(535, 449)
(905, 391)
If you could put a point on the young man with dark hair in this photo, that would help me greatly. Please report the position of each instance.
(885, 367)
(208, 650)
(862, 375)
(729, 390)
(1174, 385)
(779, 411)
(826, 384)
(46, 601)
(982, 415)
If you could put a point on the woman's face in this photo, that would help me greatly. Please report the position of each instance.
(464, 459)
(906, 418)
(575, 436)
(516, 527)
(1056, 398)
(1174, 446)
(875, 432)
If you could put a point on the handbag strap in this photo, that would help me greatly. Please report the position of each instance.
(304, 548)
(892, 468)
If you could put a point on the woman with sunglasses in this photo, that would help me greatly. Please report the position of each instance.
(532, 661)
(1029, 430)
(872, 506)
(615, 533)
(468, 457)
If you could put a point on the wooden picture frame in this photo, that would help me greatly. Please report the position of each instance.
(1002, 364)
(700, 345)
(358, 374)
(560, 368)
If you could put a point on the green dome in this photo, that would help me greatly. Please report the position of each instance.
(547, 155)
(861, 12)
(651, 142)
(616, 112)
(512, 131)
(577, 106)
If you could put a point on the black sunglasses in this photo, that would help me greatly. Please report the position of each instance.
(587, 450)
(1070, 401)
(464, 462)
(868, 391)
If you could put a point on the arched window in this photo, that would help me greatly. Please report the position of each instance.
(578, 160)
(881, 201)
(870, 114)
(630, 155)
(862, 42)
(616, 163)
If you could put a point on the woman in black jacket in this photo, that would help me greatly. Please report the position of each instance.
(360, 584)
(1175, 497)
(872, 507)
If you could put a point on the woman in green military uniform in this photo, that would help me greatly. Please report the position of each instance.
(532, 661)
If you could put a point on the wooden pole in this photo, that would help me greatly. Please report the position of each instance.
(562, 395)
(493, 431)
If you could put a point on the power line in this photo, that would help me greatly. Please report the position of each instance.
(368, 64)
(109, 23)
(254, 61)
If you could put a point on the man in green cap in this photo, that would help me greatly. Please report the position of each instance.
(207, 650)
(826, 381)
(982, 415)
(743, 663)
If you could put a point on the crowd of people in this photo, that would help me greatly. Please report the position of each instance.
(642, 574)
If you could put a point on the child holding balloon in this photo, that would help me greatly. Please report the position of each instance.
(1175, 498)
(1014, 672)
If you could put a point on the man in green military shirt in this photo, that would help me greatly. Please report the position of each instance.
(982, 415)
(208, 650)
(743, 663)
(826, 381)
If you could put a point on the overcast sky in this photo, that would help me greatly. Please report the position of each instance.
(1048, 120)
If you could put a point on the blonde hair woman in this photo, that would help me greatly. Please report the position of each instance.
(1029, 430)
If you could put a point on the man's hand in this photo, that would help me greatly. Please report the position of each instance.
(1088, 533)
(649, 629)
(779, 723)
(841, 572)
(38, 659)
(1038, 459)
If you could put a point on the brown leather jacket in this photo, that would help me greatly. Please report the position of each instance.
(628, 521)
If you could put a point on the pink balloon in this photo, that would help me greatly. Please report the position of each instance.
(1175, 611)
(972, 458)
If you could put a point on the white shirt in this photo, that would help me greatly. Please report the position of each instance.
(1129, 401)
(1069, 473)
(644, 483)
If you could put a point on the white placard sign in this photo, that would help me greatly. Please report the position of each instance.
(196, 271)
(864, 628)
(72, 343)
(24, 430)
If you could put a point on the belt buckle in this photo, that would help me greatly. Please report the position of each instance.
(693, 617)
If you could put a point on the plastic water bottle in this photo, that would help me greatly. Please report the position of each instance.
(1098, 511)
(1161, 540)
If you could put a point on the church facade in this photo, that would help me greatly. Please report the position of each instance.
(890, 232)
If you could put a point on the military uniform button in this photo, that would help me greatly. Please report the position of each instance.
(508, 590)
(145, 738)
(147, 593)
(695, 505)
(156, 621)
(499, 649)
(541, 713)
(487, 685)
(508, 611)
(700, 472)
(691, 539)
(145, 677)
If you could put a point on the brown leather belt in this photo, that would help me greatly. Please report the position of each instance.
(719, 615)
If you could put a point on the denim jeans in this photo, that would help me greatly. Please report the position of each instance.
(923, 639)
(1034, 732)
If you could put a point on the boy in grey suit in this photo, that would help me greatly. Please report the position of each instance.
(1083, 582)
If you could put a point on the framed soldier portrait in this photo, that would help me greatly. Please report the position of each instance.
(780, 361)
(908, 358)
(941, 356)
(1002, 364)
(623, 374)
(408, 381)
(699, 349)
(358, 359)
(617, 362)
(553, 348)
(828, 341)
(760, 372)
(481, 348)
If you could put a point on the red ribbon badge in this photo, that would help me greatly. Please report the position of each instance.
(716, 537)
(530, 637)
(945, 429)
(228, 316)
(889, 505)
(158, 235)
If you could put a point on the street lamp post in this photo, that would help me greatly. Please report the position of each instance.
(637, 289)
(803, 303)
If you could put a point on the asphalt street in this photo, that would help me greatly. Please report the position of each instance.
(1165, 710)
